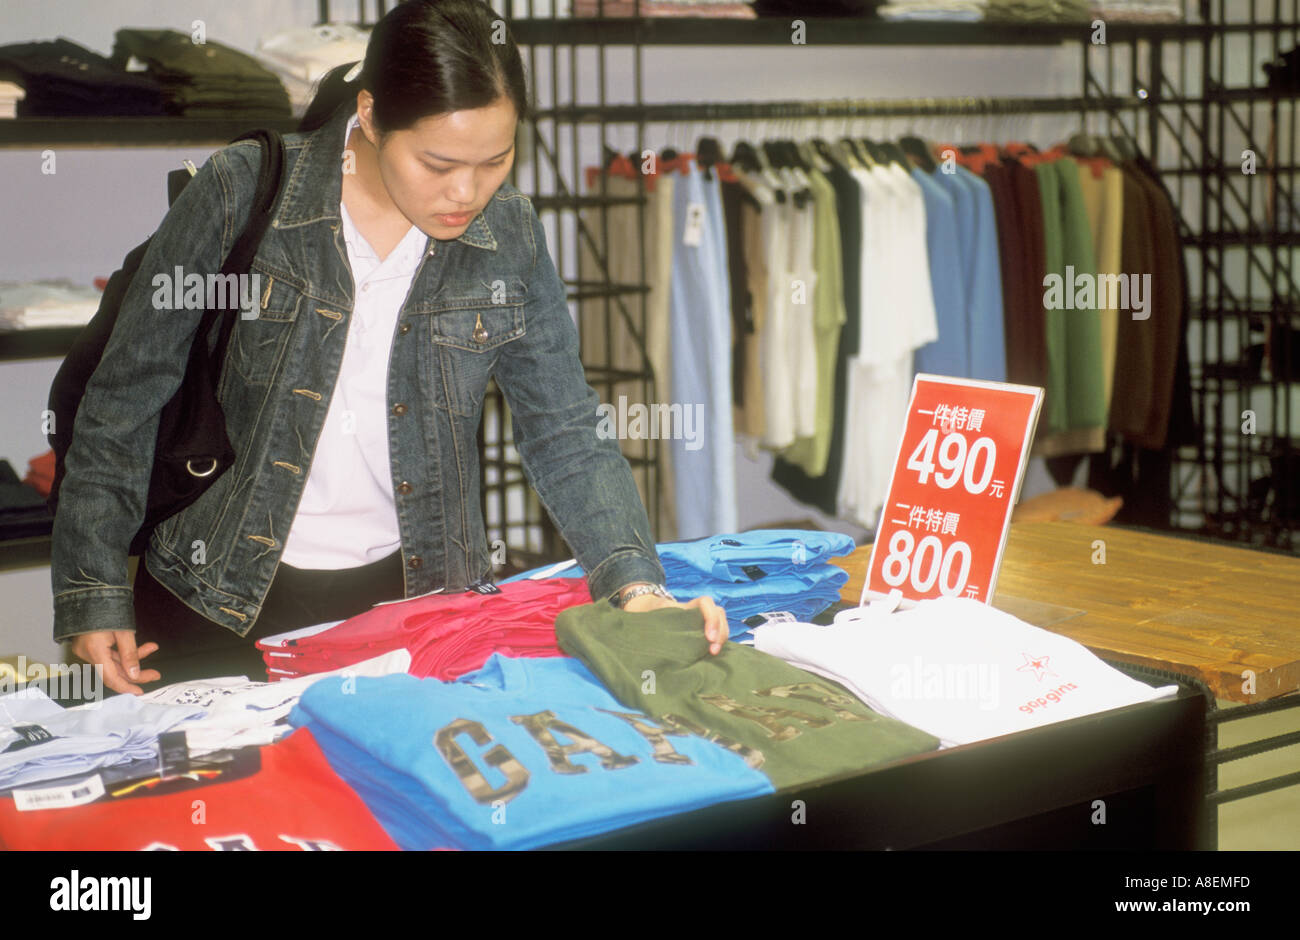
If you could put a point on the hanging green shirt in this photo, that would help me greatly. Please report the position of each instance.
(793, 725)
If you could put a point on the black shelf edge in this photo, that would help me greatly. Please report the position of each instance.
(53, 342)
(132, 131)
(30, 551)
(823, 31)
(1244, 240)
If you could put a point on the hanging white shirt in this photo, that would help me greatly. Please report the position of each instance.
(347, 516)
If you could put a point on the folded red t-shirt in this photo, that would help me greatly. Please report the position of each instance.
(447, 635)
(296, 802)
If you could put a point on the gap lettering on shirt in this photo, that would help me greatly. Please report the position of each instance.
(103, 894)
(1050, 698)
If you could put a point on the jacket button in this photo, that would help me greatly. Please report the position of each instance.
(415, 561)
(404, 328)
(404, 488)
(399, 409)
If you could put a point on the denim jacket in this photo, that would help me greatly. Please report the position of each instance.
(220, 554)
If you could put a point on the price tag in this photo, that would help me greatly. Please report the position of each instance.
(956, 479)
(59, 797)
(694, 229)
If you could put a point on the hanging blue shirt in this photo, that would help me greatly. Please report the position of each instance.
(950, 353)
(700, 316)
(988, 353)
(520, 754)
(751, 573)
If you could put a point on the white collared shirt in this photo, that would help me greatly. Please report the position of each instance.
(347, 516)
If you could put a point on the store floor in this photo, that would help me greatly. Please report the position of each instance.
(1269, 821)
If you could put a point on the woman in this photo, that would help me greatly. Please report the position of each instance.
(399, 273)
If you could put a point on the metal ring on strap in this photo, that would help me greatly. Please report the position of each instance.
(207, 473)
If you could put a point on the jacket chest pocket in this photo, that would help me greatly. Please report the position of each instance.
(468, 335)
(257, 343)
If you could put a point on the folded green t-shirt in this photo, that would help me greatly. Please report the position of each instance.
(793, 725)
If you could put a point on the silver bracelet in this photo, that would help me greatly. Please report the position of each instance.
(620, 600)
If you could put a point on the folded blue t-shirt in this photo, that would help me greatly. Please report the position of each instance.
(522, 753)
(750, 573)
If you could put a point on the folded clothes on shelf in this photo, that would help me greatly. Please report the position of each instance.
(204, 79)
(722, 9)
(30, 305)
(300, 57)
(951, 11)
(10, 94)
(63, 79)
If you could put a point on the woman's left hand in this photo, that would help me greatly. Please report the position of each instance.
(715, 618)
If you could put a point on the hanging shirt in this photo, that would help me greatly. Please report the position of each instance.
(792, 726)
(983, 272)
(703, 461)
(347, 516)
(812, 451)
(898, 316)
(801, 340)
(821, 490)
(1102, 186)
(520, 754)
(950, 353)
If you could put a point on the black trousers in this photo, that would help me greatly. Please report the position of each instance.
(192, 647)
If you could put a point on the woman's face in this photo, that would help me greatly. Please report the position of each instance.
(441, 172)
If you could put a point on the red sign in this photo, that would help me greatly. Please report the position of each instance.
(956, 480)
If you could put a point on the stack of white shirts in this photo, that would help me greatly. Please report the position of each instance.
(41, 740)
(959, 669)
(953, 11)
(240, 713)
(301, 57)
(35, 304)
(1137, 11)
(10, 95)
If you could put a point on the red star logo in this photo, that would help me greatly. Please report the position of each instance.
(1038, 664)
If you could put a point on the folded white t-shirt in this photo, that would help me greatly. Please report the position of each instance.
(959, 669)
(239, 713)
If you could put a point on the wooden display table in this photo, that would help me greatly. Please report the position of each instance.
(1197, 608)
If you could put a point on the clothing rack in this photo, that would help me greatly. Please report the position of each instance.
(1166, 87)
(833, 108)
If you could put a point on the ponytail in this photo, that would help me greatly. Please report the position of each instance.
(332, 92)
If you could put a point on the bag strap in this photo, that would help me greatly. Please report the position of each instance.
(240, 259)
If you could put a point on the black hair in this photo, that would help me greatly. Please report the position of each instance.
(428, 57)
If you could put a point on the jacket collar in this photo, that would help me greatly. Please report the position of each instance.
(315, 186)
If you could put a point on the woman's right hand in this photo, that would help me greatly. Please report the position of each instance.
(116, 652)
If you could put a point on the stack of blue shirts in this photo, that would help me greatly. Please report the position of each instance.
(751, 574)
(522, 753)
